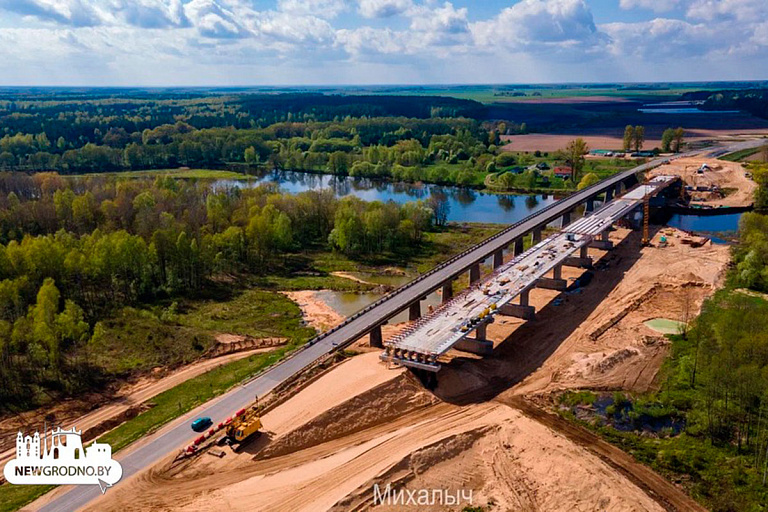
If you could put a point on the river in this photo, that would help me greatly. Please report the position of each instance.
(466, 205)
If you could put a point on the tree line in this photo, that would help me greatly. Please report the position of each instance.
(74, 250)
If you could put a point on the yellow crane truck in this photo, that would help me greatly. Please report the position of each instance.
(244, 425)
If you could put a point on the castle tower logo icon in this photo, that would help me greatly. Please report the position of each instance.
(62, 461)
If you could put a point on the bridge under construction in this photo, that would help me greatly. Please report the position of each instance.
(461, 322)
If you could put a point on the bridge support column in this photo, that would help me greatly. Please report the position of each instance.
(557, 272)
(498, 259)
(475, 346)
(581, 261)
(447, 291)
(519, 247)
(376, 338)
(566, 219)
(481, 332)
(536, 236)
(474, 273)
(590, 205)
(604, 242)
(609, 195)
(414, 311)
(522, 310)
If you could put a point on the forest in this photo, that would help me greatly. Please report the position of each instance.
(76, 250)
(434, 139)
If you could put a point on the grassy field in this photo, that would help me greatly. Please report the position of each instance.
(738, 156)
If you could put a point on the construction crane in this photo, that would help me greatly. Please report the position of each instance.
(245, 423)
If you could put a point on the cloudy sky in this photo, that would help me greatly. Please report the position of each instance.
(319, 42)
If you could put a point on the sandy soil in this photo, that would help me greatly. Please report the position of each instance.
(89, 413)
(322, 317)
(563, 348)
(613, 138)
(723, 174)
(316, 313)
(363, 424)
(491, 449)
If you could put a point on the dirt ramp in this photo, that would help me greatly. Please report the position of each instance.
(381, 404)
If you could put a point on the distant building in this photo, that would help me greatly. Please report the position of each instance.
(563, 172)
(542, 166)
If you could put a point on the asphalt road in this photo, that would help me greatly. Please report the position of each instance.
(178, 434)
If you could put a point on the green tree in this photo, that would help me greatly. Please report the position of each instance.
(639, 139)
(589, 179)
(629, 137)
(574, 155)
(43, 315)
(666, 140)
(678, 140)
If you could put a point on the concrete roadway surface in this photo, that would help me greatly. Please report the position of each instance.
(177, 434)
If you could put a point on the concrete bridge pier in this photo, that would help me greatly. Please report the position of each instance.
(519, 247)
(376, 338)
(498, 259)
(566, 219)
(581, 261)
(474, 273)
(447, 291)
(479, 345)
(556, 282)
(522, 310)
(604, 242)
(536, 236)
(609, 194)
(414, 311)
(590, 205)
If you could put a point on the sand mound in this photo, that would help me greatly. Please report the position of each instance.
(382, 403)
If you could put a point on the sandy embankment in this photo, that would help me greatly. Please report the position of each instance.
(729, 176)
(596, 339)
(362, 423)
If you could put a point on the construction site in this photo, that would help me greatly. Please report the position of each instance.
(571, 312)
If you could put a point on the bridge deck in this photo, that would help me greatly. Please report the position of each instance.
(421, 343)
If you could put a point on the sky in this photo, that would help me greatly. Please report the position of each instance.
(337, 42)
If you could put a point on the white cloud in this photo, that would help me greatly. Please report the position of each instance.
(307, 41)
(539, 24)
(214, 20)
(383, 8)
(654, 5)
(326, 9)
(76, 13)
(743, 10)
(446, 19)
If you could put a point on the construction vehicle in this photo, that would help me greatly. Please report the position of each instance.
(244, 425)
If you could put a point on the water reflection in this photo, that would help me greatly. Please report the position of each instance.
(465, 205)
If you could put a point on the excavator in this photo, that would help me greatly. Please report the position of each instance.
(244, 425)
